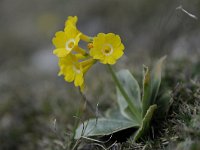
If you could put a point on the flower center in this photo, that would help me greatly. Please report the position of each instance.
(107, 49)
(70, 44)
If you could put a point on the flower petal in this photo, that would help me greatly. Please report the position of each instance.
(60, 52)
(60, 39)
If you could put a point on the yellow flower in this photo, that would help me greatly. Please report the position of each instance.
(73, 70)
(107, 48)
(67, 41)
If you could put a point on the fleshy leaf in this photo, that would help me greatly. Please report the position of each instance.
(103, 126)
(151, 84)
(132, 89)
(145, 122)
(114, 113)
(123, 105)
(146, 90)
(156, 78)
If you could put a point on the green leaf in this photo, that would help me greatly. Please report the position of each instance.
(146, 96)
(156, 78)
(114, 113)
(145, 122)
(151, 85)
(103, 126)
(132, 89)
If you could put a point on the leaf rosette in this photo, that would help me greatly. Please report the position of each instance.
(137, 106)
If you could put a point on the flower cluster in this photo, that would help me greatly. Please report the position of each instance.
(75, 61)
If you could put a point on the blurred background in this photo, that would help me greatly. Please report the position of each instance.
(32, 96)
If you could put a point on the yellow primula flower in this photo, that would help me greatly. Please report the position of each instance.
(73, 70)
(107, 48)
(67, 41)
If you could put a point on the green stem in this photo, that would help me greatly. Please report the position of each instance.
(88, 104)
(123, 92)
